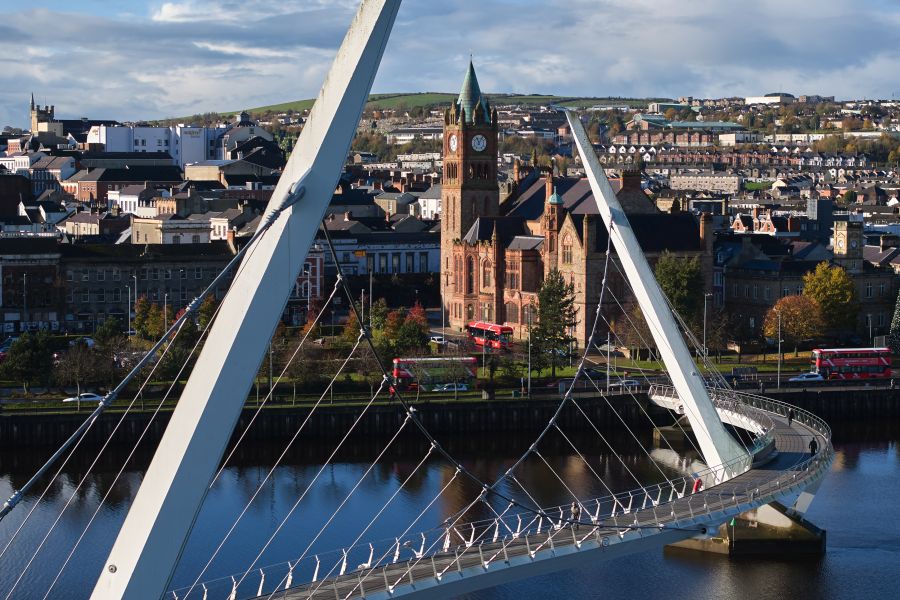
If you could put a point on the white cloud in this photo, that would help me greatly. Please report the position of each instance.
(185, 56)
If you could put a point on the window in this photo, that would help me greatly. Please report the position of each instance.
(70, 296)
(116, 275)
(176, 239)
(881, 319)
(395, 262)
(195, 239)
(198, 272)
(70, 276)
(470, 278)
(470, 312)
(85, 275)
(567, 250)
(528, 314)
(512, 312)
(382, 263)
(101, 296)
(182, 273)
(154, 274)
(85, 296)
(785, 291)
(717, 279)
(423, 262)
(486, 274)
(117, 295)
(370, 263)
(881, 289)
(734, 290)
(752, 323)
(746, 291)
(767, 293)
(410, 262)
(868, 289)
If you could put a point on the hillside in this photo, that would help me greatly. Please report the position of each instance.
(426, 99)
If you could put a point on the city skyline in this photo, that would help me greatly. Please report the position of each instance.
(146, 60)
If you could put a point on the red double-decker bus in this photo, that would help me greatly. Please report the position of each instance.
(429, 374)
(490, 335)
(852, 363)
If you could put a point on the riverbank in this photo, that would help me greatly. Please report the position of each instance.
(439, 417)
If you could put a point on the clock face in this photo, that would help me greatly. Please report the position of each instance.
(840, 243)
(454, 143)
(853, 243)
(479, 143)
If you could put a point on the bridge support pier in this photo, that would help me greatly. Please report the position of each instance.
(770, 530)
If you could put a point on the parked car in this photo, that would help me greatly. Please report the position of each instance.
(807, 378)
(452, 387)
(624, 384)
(437, 339)
(89, 342)
(85, 397)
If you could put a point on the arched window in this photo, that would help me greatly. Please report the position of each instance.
(486, 268)
(470, 275)
(567, 250)
(512, 312)
(470, 312)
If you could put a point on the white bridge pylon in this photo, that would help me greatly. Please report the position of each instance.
(152, 538)
(716, 444)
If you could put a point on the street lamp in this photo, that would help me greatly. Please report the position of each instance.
(128, 308)
(869, 321)
(530, 316)
(25, 301)
(166, 311)
(705, 350)
(778, 384)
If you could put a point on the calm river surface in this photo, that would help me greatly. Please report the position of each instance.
(856, 505)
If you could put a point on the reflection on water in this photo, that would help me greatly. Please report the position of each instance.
(861, 544)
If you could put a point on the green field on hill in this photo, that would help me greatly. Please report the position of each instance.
(425, 99)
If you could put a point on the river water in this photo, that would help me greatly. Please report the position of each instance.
(856, 505)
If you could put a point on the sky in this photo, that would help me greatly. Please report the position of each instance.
(132, 60)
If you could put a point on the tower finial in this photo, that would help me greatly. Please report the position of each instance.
(32, 100)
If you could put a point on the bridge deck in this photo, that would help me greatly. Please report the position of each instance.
(792, 446)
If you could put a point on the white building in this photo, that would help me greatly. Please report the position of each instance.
(770, 99)
(739, 137)
(19, 163)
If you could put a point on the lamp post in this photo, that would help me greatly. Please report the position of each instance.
(706, 297)
(778, 383)
(128, 308)
(530, 314)
(166, 310)
(306, 272)
(869, 321)
(25, 301)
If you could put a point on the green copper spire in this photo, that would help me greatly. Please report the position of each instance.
(555, 198)
(470, 96)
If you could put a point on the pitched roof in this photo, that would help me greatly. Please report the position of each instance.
(507, 228)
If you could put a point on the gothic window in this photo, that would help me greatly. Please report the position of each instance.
(512, 312)
(470, 275)
(487, 312)
(470, 312)
(567, 250)
(486, 274)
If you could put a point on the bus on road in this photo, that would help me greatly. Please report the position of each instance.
(852, 363)
(490, 335)
(428, 374)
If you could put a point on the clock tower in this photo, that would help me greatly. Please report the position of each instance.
(848, 245)
(469, 186)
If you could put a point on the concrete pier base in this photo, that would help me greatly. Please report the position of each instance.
(677, 437)
(766, 531)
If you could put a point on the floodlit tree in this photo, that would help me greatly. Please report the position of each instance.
(556, 318)
(801, 319)
(834, 292)
(681, 281)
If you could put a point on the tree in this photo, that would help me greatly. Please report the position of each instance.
(834, 292)
(206, 312)
(29, 359)
(894, 334)
(849, 197)
(801, 319)
(681, 281)
(141, 309)
(556, 317)
(80, 366)
(154, 325)
(378, 316)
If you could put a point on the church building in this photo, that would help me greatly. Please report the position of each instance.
(494, 256)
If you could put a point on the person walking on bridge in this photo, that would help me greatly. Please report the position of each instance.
(790, 416)
(575, 510)
(698, 485)
(813, 446)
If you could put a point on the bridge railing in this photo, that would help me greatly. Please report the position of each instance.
(436, 551)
